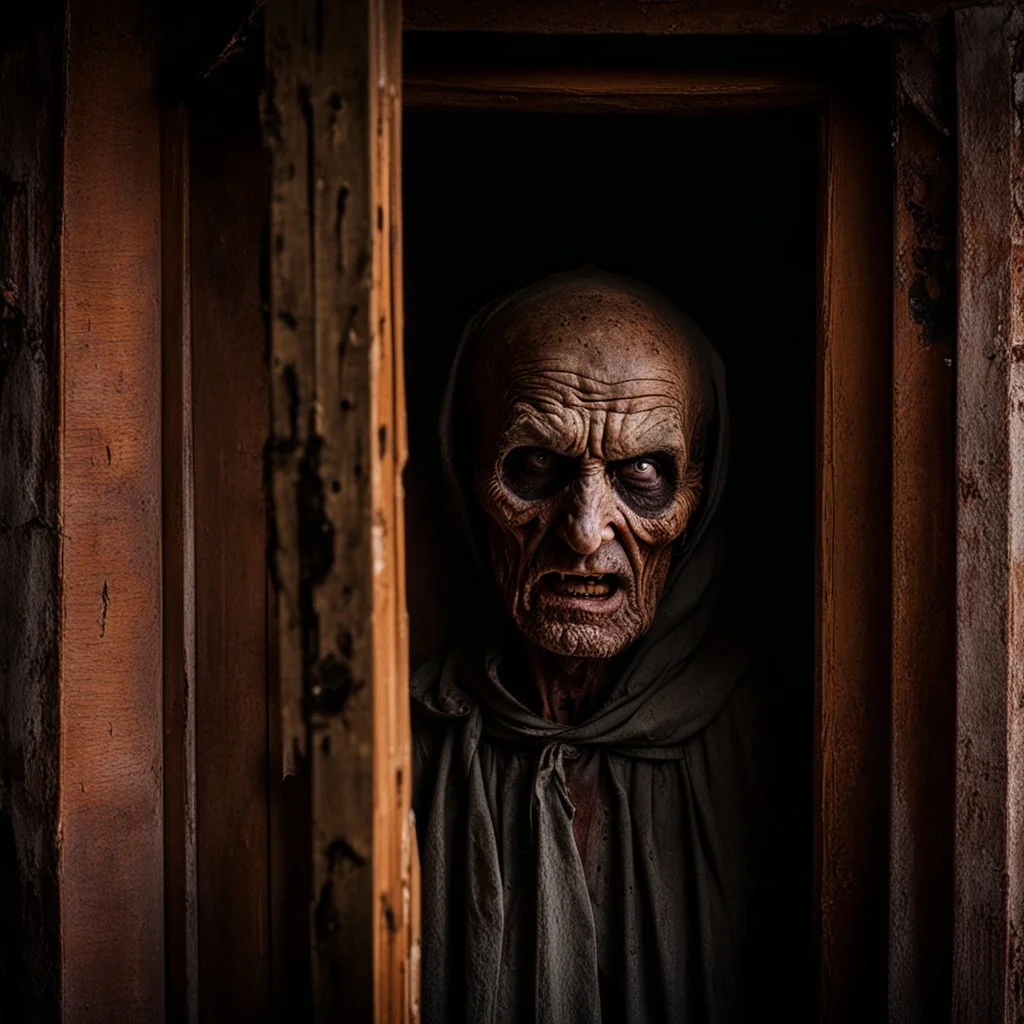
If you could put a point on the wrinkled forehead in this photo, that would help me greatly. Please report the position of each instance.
(599, 344)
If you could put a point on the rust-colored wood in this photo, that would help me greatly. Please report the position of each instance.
(228, 189)
(337, 448)
(666, 17)
(111, 706)
(988, 960)
(923, 613)
(854, 567)
(396, 866)
(179, 637)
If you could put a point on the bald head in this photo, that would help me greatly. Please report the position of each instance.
(616, 337)
(586, 398)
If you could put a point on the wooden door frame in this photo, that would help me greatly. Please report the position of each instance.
(853, 412)
(982, 859)
(332, 118)
(109, 94)
(988, 939)
(110, 800)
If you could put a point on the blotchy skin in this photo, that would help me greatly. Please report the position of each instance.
(586, 400)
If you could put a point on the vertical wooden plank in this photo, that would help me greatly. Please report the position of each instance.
(1014, 51)
(988, 962)
(111, 801)
(397, 978)
(853, 586)
(923, 612)
(32, 61)
(336, 450)
(228, 188)
(322, 211)
(179, 651)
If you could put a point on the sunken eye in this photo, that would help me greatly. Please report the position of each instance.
(539, 460)
(640, 472)
(646, 483)
(534, 473)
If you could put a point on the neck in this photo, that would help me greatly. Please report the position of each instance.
(569, 688)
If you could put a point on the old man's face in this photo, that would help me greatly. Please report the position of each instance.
(586, 401)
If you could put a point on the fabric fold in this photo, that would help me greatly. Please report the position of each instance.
(508, 903)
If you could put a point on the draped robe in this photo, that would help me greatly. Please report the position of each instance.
(663, 915)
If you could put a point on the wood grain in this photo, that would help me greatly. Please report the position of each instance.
(32, 61)
(923, 579)
(337, 449)
(988, 960)
(111, 799)
(229, 193)
(854, 568)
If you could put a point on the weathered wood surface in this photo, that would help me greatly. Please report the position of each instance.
(666, 17)
(179, 624)
(332, 120)
(31, 139)
(923, 590)
(228, 193)
(396, 865)
(852, 699)
(111, 703)
(988, 961)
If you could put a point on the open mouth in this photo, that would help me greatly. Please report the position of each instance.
(568, 585)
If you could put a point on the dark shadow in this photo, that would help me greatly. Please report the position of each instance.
(719, 212)
(12, 970)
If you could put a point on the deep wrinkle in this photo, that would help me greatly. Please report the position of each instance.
(587, 405)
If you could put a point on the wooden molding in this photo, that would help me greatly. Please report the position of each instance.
(853, 594)
(923, 580)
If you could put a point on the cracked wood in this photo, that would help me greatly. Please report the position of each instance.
(331, 119)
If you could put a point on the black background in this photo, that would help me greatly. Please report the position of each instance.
(717, 211)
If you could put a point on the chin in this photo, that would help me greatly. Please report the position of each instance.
(578, 639)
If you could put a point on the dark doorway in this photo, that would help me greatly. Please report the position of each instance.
(719, 212)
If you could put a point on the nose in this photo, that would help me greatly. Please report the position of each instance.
(586, 523)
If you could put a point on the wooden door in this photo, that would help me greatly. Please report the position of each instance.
(335, 456)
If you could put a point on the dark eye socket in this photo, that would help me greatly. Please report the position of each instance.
(539, 460)
(535, 473)
(647, 482)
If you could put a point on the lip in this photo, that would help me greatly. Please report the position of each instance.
(548, 596)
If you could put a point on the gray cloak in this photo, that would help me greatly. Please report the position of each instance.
(659, 924)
